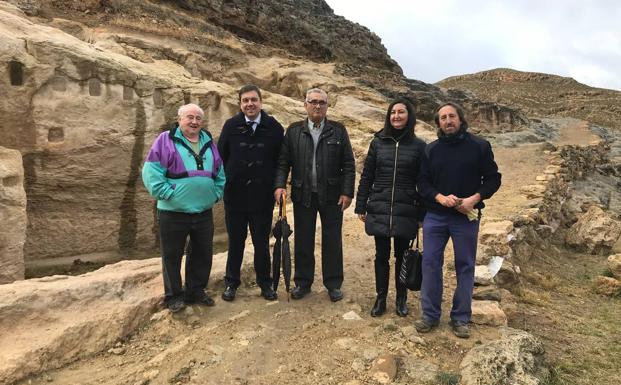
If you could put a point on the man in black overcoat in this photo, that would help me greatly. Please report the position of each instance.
(249, 145)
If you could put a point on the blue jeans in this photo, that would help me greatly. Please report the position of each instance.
(437, 228)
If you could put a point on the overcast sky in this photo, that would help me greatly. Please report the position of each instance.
(435, 39)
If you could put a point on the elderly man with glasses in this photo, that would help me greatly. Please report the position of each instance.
(318, 153)
(184, 172)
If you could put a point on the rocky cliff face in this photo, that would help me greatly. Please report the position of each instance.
(12, 216)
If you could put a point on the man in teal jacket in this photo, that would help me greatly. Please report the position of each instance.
(184, 172)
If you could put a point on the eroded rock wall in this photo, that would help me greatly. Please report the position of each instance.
(12, 216)
(84, 120)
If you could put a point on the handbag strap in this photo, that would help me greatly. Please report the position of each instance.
(417, 237)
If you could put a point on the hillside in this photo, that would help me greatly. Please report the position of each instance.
(542, 95)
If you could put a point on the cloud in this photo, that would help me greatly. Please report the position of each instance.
(434, 40)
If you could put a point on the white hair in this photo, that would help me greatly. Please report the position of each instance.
(317, 91)
(188, 106)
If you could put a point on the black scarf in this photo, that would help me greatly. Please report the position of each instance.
(455, 137)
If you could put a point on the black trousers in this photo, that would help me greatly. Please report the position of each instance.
(175, 227)
(305, 220)
(237, 224)
(382, 263)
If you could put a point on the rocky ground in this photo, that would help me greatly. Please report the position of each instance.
(314, 341)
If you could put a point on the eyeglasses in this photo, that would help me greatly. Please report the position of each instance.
(316, 103)
(192, 117)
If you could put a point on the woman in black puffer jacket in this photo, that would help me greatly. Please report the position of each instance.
(387, 201)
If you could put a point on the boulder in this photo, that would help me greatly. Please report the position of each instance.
(516, 358)
(12, 216)
(488, 313)
(71, 311)
(594, 232)
(384, 368)
(614, 265)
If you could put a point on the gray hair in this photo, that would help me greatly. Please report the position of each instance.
(187, 106)
(318, 91)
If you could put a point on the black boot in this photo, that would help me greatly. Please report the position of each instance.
(379, 307)
(402, 300)
(382, 275)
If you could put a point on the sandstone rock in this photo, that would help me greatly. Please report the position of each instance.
(71, 311)
(493, 236)
(384, 369)
(488, 313)
(533, 191)
(608, 286)
(516, 359)
(85, 194)
(12, 216)
(594, 232)
(614, 264)
(486, 294)
(482, 276)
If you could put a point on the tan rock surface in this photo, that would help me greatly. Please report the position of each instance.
(488, 313)
(73, 316)
(516, 349)
(595, 231)
(12, 216)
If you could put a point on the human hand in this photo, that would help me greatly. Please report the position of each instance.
(448, 200)
(344, 202)
(467, 204)
(278, 194)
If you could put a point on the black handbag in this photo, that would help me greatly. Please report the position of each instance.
(411, 273)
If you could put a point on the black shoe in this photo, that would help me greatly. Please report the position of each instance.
(402, 306)
(379, 307)
(335, 295)
(202, 299)
(460, 328)
(299, 292)
(424, 325)
(229, 293)
(175, 305)
(268, 293)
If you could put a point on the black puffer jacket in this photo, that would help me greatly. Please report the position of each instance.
(335, 163)
(387, 190)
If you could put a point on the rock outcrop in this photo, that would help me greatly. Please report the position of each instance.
(73, 316)
(516, 358)
(594, 232)
(12, 216)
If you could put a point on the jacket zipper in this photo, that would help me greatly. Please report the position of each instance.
(394, 182)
